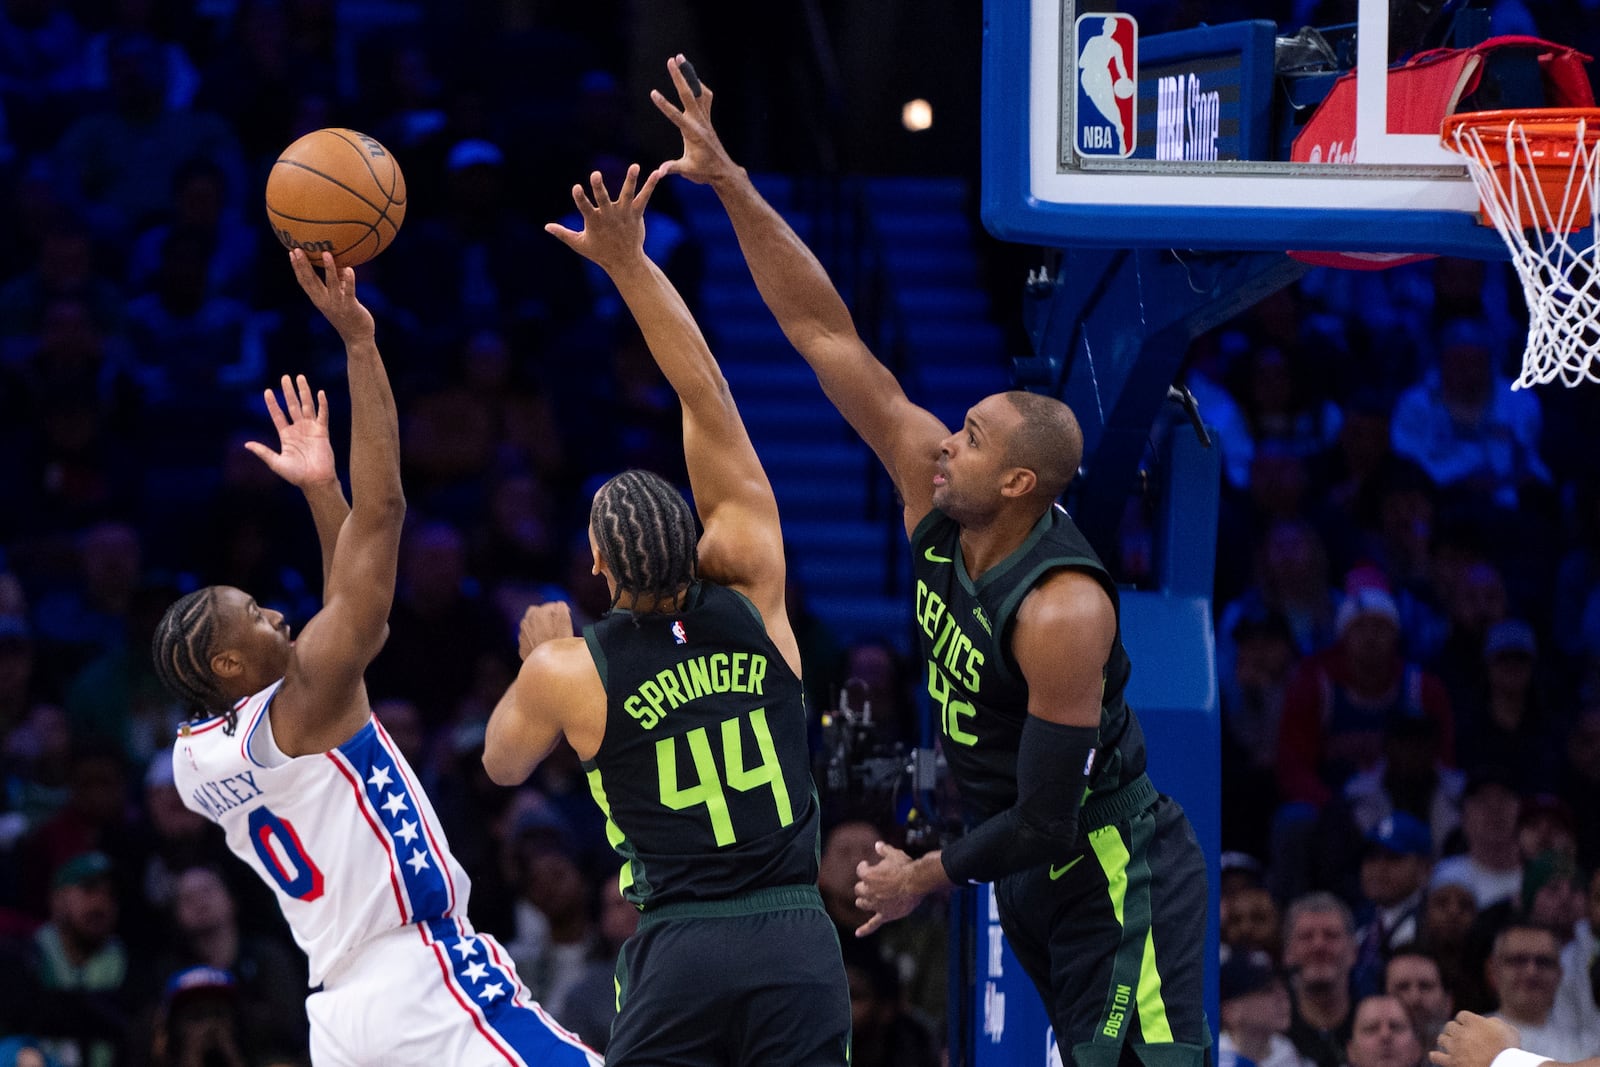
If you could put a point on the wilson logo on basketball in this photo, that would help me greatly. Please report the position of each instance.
(289, 241)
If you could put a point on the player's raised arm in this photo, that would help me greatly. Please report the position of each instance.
(305, 459)
(808, 307)
(742, 545)
(322, 702)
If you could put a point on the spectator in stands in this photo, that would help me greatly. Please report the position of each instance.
(1382, 1035)
(591, 1003)
(1474, 435)
(1255, 1012)
(1413, 977)
(64, 269)
(124, 17)
(92, 154)
(1449, 909)
(1319, 952)
(1545, 824)
(36, 763)
(555, 934)
(1250, 922)
(1524, 971)
(269, 974)
(198, 1022)
(1393, 873)
(1282, 403)
(69, 984)
(202, 204)
(1410, 777)
(1554, 894)
(1492, 862)
(1292, 581)
(1340, 701)
(1508, 721)
(1576, 1007)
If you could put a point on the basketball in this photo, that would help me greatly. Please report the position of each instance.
(1123, 88)
(339, 191)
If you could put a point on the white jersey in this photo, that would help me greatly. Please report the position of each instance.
(346, 838)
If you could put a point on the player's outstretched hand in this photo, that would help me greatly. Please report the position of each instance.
(613, 229)
(541, 623)
(305, 453)
(335, 296)
(704, 160)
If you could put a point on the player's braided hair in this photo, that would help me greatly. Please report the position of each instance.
(646, 535)
(181, 649)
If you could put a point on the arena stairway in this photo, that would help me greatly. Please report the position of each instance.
(902, 251)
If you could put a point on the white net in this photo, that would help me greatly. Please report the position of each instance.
(1538, 180)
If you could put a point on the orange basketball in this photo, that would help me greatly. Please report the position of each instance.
(339, 191)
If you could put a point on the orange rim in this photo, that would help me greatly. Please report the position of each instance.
(1541, 126)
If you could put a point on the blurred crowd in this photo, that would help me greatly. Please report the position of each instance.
(1407, 593)
(1408, 648)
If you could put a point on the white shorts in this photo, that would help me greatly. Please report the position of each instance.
(434, 994)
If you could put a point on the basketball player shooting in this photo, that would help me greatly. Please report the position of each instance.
(283, 752)
(684, 703)
(1099, 879)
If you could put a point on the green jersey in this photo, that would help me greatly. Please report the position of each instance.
(704, 772)
(977, 690)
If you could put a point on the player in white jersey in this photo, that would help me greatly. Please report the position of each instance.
(286, 756)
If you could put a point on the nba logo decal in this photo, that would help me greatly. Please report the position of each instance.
(1108, 79)
(678, 633)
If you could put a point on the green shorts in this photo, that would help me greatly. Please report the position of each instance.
(754, 980)
(1115, 942)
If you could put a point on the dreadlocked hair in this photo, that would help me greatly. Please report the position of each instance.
(181, 650)
(646, 535)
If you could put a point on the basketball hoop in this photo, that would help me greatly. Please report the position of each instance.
(1538, 177)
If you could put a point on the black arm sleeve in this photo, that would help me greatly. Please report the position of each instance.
(1053, 764)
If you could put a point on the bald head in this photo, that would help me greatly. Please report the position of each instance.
(1048, 441)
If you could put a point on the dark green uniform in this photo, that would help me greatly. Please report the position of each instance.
(1114, 944)
(705, 781)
